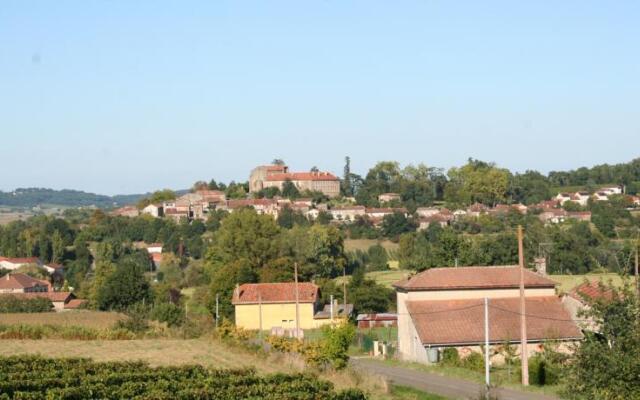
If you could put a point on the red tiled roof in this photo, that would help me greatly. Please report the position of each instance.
(386, 210)
(53, 296)
(591, 290)
(239, 203)
(302, 176)
(156, 257)
(21, 260)
(275, 293)
(461, 322)
(20, 281)
(451, 278)
(74, 304)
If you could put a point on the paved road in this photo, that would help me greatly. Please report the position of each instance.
(453, 388)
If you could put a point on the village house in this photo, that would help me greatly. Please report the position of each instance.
(444, 307)
(476, 209)
(379, 213)
(348, 213)
(155, 210)
(23, 286)
(12, 263)
(154, 248)
(273, 305)
(600, 196)
(611, 190)
(388, 197)
(425, 222)
(558, 215)
(427, 211)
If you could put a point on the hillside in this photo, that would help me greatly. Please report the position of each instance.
(32, 197)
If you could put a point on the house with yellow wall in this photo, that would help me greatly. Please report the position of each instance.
(273, 305)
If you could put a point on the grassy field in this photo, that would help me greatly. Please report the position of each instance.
(568, 282)
(385, 278)
(88, 319)
(156, 352)
(364, 244)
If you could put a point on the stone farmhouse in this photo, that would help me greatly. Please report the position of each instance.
(444, 307)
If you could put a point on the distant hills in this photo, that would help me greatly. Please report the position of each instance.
(32, 197)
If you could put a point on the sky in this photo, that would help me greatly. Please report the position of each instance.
(117, 97)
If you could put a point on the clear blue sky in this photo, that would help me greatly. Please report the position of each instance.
(131, 96)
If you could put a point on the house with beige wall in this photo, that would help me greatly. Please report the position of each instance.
(273, 305)
(444, 307)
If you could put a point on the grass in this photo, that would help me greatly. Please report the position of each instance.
(87, 319)
(385, 278)
(157, 352)
(568, 282)
(407, 393)
(500, 376)
(364, 244)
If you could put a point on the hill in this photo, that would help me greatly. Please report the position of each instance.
(32, 197)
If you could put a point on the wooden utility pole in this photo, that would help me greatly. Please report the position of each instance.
(260, 312)
(344, 290)
(487, 379)
(636, 269)
(524, 356)
(217, 313)
(295, 275)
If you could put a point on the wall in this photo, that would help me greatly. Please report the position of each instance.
(248, 316)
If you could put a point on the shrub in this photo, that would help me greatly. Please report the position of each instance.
(170, 313)
(450, 356)
(474, 361)
(14, 304)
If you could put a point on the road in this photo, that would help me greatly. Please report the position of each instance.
(453, 388)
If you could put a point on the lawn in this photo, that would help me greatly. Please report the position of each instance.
(568, 282)
(85, 318)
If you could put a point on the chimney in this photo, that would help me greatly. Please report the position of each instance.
(540, 264)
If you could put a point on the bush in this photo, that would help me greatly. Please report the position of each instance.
(474, 361)
(169, 313)
(450, 356)
(14, 304)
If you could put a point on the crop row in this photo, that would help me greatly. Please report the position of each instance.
(41, 378)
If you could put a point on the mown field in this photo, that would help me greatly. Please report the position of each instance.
(84, 318)
(364, 244)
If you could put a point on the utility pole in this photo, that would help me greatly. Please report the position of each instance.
(344, 290)
(295, 275)
(524, 356)
(636, 269)
(487, 379)
(260, 312)
(331, 308)
(217, 309)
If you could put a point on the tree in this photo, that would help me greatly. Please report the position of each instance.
(124, 287)
(314, 169)
(477, 181)
(378, 258)
(57, 247)
(395, 224)
(157, 197)
(171, 271)
(278, 161)
(289, 190)
(246, 235)
(605, 365)
(347, 189)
